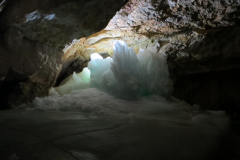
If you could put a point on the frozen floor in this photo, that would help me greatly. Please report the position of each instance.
(105, 128)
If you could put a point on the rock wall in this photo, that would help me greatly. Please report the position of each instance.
(211, 90)
(27, 68)
(168, 27)
(33, 34)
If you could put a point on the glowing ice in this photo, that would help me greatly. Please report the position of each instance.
(129, 74)
(85, 75)
(98, 66)
(75, 82)
(96, 56)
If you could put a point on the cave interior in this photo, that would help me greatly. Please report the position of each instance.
(119, 80)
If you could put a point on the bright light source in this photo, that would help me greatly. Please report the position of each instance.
(96, 56)
(75, 82)
(85, 75)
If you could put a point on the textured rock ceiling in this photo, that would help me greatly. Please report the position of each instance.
(58, 22)
(165, 26)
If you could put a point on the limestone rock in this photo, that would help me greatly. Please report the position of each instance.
(163, 26)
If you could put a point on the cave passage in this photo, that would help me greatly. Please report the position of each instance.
(100, 119)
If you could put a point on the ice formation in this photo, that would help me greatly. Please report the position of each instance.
(129, 74)
(75, 82)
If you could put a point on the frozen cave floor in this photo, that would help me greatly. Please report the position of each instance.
(93, 125)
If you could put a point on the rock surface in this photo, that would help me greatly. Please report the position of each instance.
(171, 26)
(58, 22)
(167, 27)
(32, 35)
(27, 68)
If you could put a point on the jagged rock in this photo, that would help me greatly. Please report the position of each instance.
(58, 22)
(3, 4)
(164, 26)
(33, 34)
(75, 66)
(219, 51)
(32, 62)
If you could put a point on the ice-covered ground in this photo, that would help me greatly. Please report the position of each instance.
(85, 119)
(91, 124)
(97, 102)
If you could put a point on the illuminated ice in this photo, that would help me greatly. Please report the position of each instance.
(96, 56)
(145, 76)
(129, 74)
(75, 82)
(98, 67)
(84, 75)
